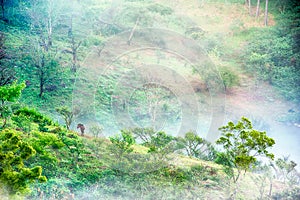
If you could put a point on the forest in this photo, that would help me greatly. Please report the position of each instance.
(150, 99)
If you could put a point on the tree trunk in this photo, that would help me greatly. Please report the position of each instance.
(266, 13)
(2, 7)
(270, 189)
(42, 83)
(249, 7)
(257, 8)
(50, 14)
(42, 77)
(132, 31)
(41, 87)
(74, 47)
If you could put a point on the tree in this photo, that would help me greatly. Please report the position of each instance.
(73, 50)
(43, 19)
(8, 94)
(13, 172)
(67, 115)
(161, 145)
(122, 144)
(243, 144)
(42, 65)
(257, 8)
(249, 7)
(144, 134)
(194, 145)
(285, 169)
(2, 2)
(96, 130)
(7, 73)
(229, 78)
(266, 13)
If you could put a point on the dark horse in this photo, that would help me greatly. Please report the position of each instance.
(81, 126)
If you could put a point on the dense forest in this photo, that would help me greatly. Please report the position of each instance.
(149, 99)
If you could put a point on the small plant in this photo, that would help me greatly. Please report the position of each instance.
(229, 78)
(285, 169)
(96, 130)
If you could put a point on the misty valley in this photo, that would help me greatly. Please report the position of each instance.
(149, 99)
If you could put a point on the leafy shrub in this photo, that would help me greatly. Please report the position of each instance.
(195, 146)
(143, 134)
(34, 116)
(288, 195)
(204, 173)
(14, 151)
(96, 130)
(122, 144)
(160, 9)
(178, 175)
(272, 57)
(160, 143)
(229, 78)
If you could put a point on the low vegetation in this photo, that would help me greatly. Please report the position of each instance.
(44, 52)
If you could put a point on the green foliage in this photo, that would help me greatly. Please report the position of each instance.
(11, 93)
(67, 115)
(160, 143)
(178, 175)
(204, 173)
(122, 144)
(8, 94)
(285, 170)
(272, 57)
(143, 134)
(160, 9)
(96, 130)
(289, 194)
(237, 26)
(14, 151)
(229, 78)
(7, 72)
(243, 144)
(194, 145)
(25, 115)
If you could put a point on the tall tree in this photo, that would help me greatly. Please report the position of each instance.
(243, 144)
(2, 8)
(7, 73)
(44, 17)
(73, 50)
(42, 66)
(67, 115)
(257, 8)
(249, 7)
(266, 13)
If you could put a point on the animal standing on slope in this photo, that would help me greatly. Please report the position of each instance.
(81, 126)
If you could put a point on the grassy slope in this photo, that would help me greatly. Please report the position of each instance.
(214, 18)
(213, 184)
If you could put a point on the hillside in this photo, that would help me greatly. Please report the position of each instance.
(156, 84)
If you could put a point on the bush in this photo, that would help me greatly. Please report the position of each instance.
(194, 145)
(229, 78)
(122, 144)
